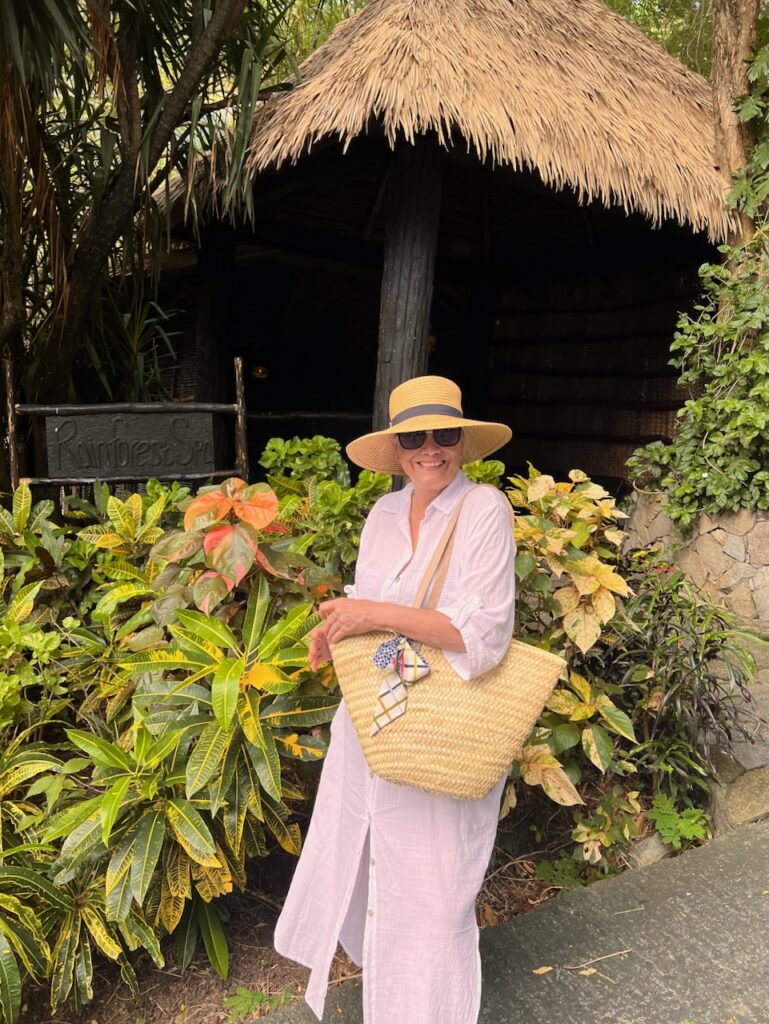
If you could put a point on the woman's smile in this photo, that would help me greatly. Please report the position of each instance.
(431, 467)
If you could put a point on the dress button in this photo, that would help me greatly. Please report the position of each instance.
(371, 913)
(372, 862)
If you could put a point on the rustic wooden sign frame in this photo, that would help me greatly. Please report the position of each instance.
(143, 448)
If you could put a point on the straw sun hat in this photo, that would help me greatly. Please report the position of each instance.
(426, 403)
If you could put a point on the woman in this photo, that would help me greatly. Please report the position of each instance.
(390, 871)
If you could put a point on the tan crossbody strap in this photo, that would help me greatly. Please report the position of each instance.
(438, 567)
(435, 573)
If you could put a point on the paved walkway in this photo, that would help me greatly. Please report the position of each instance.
(694, 931)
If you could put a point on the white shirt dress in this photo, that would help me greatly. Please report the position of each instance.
(391, 871)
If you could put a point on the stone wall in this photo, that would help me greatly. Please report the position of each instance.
(727, 556)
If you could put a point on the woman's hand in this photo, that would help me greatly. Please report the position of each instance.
(347, 616)
(319, 651)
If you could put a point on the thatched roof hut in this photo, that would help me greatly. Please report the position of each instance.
(566, 88)
(516, 193)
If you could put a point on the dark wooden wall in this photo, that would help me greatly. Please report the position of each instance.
(554, 317)
(580, 368)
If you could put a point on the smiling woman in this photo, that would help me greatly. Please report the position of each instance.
(389, 869)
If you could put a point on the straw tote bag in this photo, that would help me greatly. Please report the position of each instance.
(456, 737)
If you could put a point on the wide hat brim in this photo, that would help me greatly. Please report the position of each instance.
(375, 451)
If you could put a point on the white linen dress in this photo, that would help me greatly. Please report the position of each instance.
(391, 871)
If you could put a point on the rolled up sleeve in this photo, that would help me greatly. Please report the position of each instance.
(485, 614)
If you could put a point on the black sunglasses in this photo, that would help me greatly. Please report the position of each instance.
(446, 437)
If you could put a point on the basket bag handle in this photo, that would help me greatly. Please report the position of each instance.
(438, 567)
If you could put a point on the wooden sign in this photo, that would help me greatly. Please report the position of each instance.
(129, 446)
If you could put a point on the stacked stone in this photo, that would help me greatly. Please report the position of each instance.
(728, 557)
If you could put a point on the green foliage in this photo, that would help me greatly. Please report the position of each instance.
(567, 540)
(303, 458)
(655, 668)
(678, 828)
(750, 186)
(485, 471)
(160, 720)
(719, 457)
(564, 873)
(313, 482)
(611, 825)
(102, 139)
(245, 1002)
(130, 344)
(311, 22)
(680, 667)
(159, 723)
(683, 27)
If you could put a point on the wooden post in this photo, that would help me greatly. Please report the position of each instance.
(213, 328)
(10, 416)
(411, 237)
(241, 423)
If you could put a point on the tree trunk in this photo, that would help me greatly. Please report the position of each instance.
(411, 237)
(735, 33)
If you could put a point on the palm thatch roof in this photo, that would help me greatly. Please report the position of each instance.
(565, 87)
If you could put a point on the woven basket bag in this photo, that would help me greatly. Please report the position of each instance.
(457, 737)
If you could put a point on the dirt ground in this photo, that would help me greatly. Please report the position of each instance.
(197, 996)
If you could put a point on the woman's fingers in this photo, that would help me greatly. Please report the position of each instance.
(327, 608)
(319, 650)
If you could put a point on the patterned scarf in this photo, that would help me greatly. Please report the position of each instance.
(404, 666)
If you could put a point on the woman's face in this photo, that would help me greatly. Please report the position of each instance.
(430, 468)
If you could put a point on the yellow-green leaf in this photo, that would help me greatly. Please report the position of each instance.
(117, 595)
(604, 604)
(22, 505)
(197, 648)
(566, 599)
(267, 764)
(63, 966)
(559, 787)
(178, 872)
(206, 757)
(101, 936)
(22, 603)
(268, 678)
(562, 702)
(121, 517)
(581, 687)
(149, 843)
(208, 628)
(191, 832)
(618, 721)
(248, 716)
(256, 613)
(302, 712)
(225, 689)
(583, 627)
(598, 746)
(111, 804)
(289, 836)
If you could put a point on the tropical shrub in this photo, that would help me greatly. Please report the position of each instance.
(159, 703)
(159, 719)
(681, 668)
(567, 540)
(313, 480)
(655, 672)
(718, 458)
